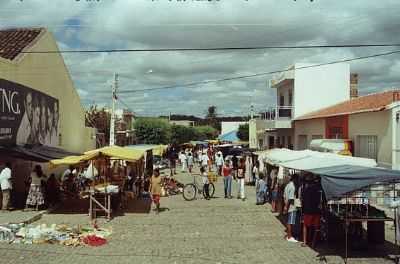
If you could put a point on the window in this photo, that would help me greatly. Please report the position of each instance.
(283, 141)
(302, 144)
(260, 143)
(336, 132)
(290, 98)
(367, 147)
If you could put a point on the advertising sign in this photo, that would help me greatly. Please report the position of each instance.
(27, 116)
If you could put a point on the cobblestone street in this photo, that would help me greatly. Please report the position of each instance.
(216, 231)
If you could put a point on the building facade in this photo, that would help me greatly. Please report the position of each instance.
(300, 90)
(39, 104)
(41, 87)
(371, 122)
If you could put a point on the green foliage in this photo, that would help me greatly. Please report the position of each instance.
(182, 134)
(152, 130)
(243, 132)
(205, 132)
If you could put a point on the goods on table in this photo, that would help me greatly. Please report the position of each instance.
(212, 177)
(54, 234)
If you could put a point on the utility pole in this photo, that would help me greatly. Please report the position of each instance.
(114, 97)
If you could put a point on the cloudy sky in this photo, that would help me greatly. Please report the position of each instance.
(147, 24)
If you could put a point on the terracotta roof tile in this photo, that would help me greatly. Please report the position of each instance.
(14, 41)
(368, 103)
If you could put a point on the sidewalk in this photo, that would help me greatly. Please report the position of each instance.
(20, 216)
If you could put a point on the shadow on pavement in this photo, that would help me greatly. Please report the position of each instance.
(358, 247)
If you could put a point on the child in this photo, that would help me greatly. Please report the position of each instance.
(274, 196)
(155, 188)
(261, 190)
(204, 177)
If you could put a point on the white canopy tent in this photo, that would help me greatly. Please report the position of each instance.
(308, 159)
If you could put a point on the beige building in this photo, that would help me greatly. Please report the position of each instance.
(39, 104)
(45, 73)
(371, 122)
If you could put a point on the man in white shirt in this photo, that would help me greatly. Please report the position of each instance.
(182, 158)
(204, 160)
(5, 183)
(290, 209)
(219, 161)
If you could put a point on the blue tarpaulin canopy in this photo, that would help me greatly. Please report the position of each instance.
(230, 136)
(337, 181)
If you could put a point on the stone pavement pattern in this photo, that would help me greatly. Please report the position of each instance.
(216, 231)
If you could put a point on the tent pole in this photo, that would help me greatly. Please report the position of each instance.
(346, 233)
(395, 221)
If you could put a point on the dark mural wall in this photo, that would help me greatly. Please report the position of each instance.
(27, 116)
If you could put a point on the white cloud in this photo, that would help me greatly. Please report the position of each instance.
(162, 24)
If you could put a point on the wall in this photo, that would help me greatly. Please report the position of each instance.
(396, 136)
(230, 126)
(308, 127)
(319, 87)
(253, 137)
(47, 73)
(284, 133)
(360, 124)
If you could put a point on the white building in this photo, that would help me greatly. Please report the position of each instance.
(228, 126)
(300, 90)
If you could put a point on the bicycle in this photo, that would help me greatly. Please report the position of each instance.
(190, 190)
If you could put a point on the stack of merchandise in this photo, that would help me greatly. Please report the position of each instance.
(54, 234)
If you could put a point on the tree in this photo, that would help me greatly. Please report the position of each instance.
(211, 117)
(99, 119)
(182, 134)
(243, 132)
(205, 132)
(152, 130)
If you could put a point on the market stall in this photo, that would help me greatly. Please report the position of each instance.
(349, 186)
(107, 186)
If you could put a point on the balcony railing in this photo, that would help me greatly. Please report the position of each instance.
(278, 113)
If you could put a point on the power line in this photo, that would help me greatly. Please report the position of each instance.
(261, 74)
(211, 49)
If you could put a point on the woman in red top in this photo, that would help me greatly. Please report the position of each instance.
(227, 173)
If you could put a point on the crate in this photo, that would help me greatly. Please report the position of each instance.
(212, 177)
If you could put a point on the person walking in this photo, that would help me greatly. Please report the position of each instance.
(183, 160)
(227, 173)
(190, 162)
(204, 160)
(6, 186)
(290, 209)
(240, 177)
(155, 189)
(172, 161)
(35, 195)
(261, 191)
(206, 182)
(219, 161)
(256, 172)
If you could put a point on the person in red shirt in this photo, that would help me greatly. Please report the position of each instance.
(227, 173)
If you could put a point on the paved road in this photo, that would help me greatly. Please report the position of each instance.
(201, 231)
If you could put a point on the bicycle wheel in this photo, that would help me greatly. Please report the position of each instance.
(211, 189)
(189, 192)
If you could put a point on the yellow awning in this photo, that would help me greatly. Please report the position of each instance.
(159, 150)
(110, 151)
(118, 152)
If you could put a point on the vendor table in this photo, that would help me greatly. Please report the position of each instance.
(96, 205)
